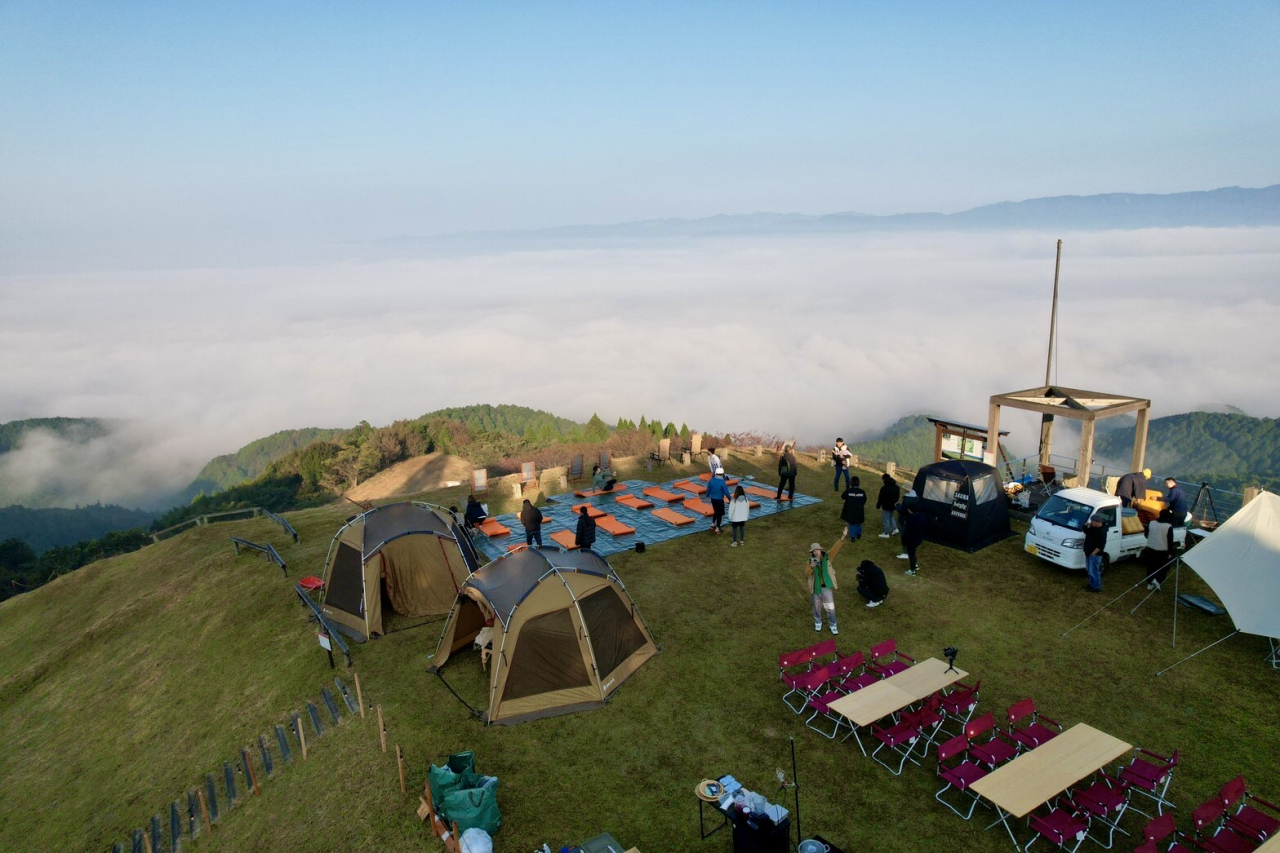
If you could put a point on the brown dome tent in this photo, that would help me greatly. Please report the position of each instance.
(565, 632)
(419, 553)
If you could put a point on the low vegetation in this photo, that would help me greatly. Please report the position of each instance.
(121, 684)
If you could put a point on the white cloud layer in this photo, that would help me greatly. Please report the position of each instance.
(806, 336)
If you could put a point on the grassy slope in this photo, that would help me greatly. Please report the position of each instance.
(223, 653)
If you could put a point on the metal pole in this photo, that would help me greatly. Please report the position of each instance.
(1053, 318)
(1177, 570)
(1205, 649)
(795, 779)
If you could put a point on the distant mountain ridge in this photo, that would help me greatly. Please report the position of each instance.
(1219, 208)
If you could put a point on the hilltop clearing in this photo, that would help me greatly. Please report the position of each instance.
(427, 473)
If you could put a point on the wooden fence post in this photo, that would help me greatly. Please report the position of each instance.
(359, 695)
(400, 764)
(253, 777)
(382, 730)
(302, 735)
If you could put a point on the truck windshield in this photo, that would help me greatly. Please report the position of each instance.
(1064, 513)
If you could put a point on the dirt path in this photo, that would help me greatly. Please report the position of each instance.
(420, 474)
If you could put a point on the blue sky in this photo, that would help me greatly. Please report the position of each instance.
(132, 128)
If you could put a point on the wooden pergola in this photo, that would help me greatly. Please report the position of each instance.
(1088, 407)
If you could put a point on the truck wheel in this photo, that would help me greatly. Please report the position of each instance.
(1106, 562)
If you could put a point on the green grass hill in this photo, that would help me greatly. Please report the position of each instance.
(122, 684)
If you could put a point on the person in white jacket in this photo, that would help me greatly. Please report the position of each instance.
(713, 461)
(739, 510)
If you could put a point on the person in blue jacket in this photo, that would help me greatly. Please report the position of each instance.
(717, 491)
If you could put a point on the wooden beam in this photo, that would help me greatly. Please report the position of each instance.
(1123, 408)
(1043, 408)
(937, 442)
(1086, 453)
(1140, 440)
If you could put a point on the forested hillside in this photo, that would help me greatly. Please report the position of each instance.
(909, 442)
(72, 429)
(1230, 451)
(251, 460)
(43, 529)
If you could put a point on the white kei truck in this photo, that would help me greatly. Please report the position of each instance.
(1056, 533)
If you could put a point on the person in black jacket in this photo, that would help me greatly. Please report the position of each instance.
(853, 513)
(914, 523)
(871, 583)
(786, 473)
(586, 533)
(1095, 546)
(1133, 487)
(887, 502)
(475, 514)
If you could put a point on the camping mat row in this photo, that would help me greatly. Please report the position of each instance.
(558, 515)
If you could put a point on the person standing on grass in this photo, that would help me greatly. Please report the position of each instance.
(840, 455)
(531, 518)
(887, 503)
(586, 532)
(717, 491)
(914, 523)
(854, 511)
(871, 583)
(1159, 550)
(821, 582)
(1095, 544)
(739, 511)
(713, 461)
(787, 470)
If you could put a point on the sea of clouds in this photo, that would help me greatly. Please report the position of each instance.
(809, 336)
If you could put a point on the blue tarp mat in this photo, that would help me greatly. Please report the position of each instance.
(558, 514)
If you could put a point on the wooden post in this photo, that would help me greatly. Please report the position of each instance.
(146, 839)
(937, 443)
(1046, 440)
(359, 695)
(890, 467)
(253, 777)
(382, 730)
(993, 428)
(1250, 493)
(302, 735)
(400, 764)
(204, 810)
(1053, 318)
(1140, 439)
(1086, 452)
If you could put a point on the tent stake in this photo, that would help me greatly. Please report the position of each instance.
(1205, 649)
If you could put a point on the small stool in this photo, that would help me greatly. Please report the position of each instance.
(311, 584)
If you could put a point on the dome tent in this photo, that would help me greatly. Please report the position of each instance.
(965, 502)
(418, 553)
(565, 632)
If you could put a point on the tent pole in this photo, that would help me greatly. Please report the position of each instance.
(1177, 573)
(1205, 649)
(1102, 608)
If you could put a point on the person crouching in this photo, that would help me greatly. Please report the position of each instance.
(871, 583)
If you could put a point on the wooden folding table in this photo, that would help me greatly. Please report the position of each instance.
(863, 707)
(1037, 776)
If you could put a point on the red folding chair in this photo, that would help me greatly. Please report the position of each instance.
(1105, 800)
(1029, 735)
(996, 749)
(955, 770)
(900, 737)
(1253, 816)
(1064, 826)
(862, 679)
(960, 702)
(805, 686)
(821, 705)
(896, 661)
(1213, 833)
(1149, 776)
(805, 657)
(1158, 830)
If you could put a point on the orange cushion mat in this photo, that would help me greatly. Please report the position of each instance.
(565, 539)
(634, 502)
(662, 494)
(673, 517)
(493, 528)
(761, 493)
(592, 511)
(591, 493)
(613, 527)
(687, 486)
(701, 507)
(732, 481)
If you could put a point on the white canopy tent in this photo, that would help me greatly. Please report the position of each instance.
(1240, 561)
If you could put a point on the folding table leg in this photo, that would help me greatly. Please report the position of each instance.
(853, 733)
(1004, 818)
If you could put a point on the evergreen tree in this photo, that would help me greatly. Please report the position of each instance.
(670, 431)
(596, 429)
(685, 434)
(643, 426)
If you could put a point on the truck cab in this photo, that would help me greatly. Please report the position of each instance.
(1056, 533)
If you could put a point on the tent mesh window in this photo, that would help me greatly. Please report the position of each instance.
(939, 489)
(547, 657)
(985, 489)
(346, 581)
(612, 629)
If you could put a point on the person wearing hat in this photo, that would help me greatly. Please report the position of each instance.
(717, 491)
(1133, 487)
(822, 582)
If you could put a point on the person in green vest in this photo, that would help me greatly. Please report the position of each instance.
(821, 583)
